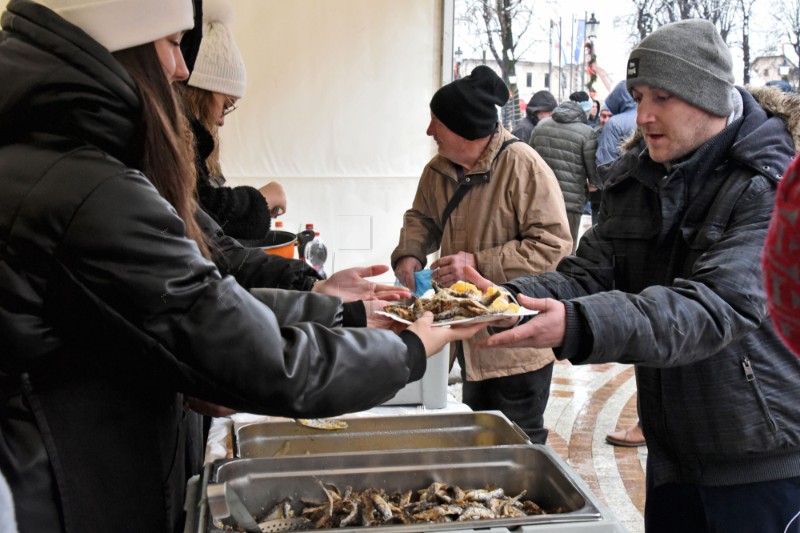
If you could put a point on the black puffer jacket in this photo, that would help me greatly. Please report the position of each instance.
(670, 280)
(108, 312)
(568, 146)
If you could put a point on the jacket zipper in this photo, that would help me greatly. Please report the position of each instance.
(750, 375)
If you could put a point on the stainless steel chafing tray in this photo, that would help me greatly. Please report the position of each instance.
(260, 483)
(412, 432)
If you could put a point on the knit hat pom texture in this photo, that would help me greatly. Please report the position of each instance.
(219, 66)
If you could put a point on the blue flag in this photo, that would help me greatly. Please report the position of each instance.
(581, 37)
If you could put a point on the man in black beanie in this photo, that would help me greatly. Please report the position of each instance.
(670, 280)
(506, 219)
(541, 105)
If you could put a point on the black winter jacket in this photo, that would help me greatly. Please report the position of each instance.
(241, 211)
(108, 312)
(670, 280)
(568, 145)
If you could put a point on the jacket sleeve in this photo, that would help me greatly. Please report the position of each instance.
(590, 157)
(205, 334)
(242, 211)
(421, 233)
(667, 325)
(251, 266)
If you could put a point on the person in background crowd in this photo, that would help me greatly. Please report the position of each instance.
(111, 309)
(605, 114)
(585, 101)
(540, 106)
(510, 221)
(594, 114)
(670, 280)
(217, 82)
(782, 257)
(568, 145)
(595, 193)
(619, 126)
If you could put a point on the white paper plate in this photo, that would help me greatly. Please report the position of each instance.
(474, 320)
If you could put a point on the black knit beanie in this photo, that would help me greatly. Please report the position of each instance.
(689, 59)
(467, 105)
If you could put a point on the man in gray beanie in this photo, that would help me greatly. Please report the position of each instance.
(490, 202)
(670, 280)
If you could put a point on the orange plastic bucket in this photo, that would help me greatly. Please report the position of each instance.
(277, 242)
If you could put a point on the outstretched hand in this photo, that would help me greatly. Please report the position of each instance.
(545, 330)
(351, 285)
(435, 337)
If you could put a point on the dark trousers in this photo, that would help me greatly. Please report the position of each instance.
(594, 201)
(765, 507)
(522, 398)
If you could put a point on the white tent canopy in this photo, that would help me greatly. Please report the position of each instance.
(336, 110)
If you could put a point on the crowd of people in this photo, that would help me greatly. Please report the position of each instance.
(129, 305)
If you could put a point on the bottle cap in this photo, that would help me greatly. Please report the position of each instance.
(279, 223)
(309, 226)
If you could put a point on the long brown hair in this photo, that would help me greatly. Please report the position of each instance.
(200, 104)
(167, 145)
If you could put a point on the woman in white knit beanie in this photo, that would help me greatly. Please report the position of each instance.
(217, 82)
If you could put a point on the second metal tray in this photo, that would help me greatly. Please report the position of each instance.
(412, 432)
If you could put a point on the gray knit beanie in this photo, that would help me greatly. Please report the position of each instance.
(689, 59)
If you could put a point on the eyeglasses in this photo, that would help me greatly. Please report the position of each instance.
(230, 106)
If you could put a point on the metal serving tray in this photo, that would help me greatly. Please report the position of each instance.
(262, 482)
(412, 432)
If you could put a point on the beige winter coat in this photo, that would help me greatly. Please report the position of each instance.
(515, 224)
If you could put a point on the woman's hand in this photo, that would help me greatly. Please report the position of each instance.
(351, 285)
(275, 196)
(545, 330)
(435, 337)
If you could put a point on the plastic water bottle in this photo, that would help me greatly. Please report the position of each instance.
(316, 253)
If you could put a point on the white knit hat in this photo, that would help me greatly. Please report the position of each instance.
(219, 66)
(120, 24)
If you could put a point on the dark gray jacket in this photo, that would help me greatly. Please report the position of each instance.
(568, 145)
(670, 280)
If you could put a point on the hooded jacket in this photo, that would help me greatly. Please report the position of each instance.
(514, 222)
(670, 280)
(108, 312)
(568, 146)
(619, 127)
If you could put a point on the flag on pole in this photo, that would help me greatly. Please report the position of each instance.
(581, 38)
